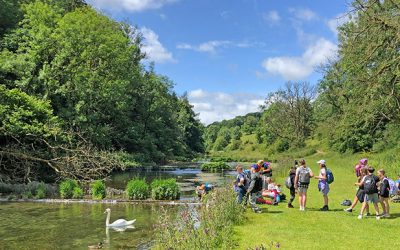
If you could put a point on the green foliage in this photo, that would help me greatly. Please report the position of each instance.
(165, 189)
(67, 187)
(40, 191)
(214, 166)
(219, 213)
(98, 189)
(137, 189)
(66, 67)
(77, 193)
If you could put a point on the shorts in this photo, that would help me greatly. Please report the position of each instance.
(371, 198)
(323, 187)
(302, 189)
(360, 195)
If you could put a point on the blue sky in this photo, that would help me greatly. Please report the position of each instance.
(229, 54)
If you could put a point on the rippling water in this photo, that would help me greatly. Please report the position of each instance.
(25, 225)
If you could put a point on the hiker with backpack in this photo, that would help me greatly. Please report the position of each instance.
(290, 184)
(370, 182)
(241, 184)
(360, 195)
(386, 187)
(255, 187)
(323, 184)
(265, 171)
(301, 182)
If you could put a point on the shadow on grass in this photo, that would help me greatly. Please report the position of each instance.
(330, 210)
(393, 216)
(273, 212)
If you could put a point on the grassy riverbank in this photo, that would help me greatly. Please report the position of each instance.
(324, 230)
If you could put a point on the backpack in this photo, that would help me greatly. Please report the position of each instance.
(393, 189)
(288, 182)
(304, 176)
(258, 185)
(369, 184)
(329, 176)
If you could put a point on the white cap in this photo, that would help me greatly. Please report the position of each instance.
(322, 162)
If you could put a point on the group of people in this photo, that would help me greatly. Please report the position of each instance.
(256, 185)
(373, 189)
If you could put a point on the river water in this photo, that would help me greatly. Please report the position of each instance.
(26, 225)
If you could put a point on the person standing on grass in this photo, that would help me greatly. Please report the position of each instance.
(302, 181)
(384, 193)
(323, 185)
(265, 171)
(292, 175)
(370, 182)
(360, 194)
(255, 187)
(240, 184)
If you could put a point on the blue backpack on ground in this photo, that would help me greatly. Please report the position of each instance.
(329, 176)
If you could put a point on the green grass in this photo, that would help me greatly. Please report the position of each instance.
(313, 229)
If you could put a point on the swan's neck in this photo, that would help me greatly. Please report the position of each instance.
(108, 219)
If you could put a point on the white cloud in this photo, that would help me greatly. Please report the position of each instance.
(217, 106)
(212, 46)
(297, 68)
(271, 17)
(154, 50)
(303, 14)
(197, 94)
(336, 22)
(130, 5)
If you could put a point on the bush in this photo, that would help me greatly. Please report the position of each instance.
(98, 189)
(137, 189)
(218, 217)
(40, 192)
(67, 188)
(214, 166)
(165, 190)
(77, 193)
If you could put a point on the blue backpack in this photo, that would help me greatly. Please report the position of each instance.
(329, 176)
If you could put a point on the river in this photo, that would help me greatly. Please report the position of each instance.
(29, 225)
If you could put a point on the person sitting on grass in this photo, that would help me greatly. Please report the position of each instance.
(370, 182)
(273, 191)
(323, 185)
(301, 182)
(384, 193)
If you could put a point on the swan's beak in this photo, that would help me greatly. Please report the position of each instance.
(105, 212)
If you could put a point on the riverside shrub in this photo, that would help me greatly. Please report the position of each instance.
(137, 189)
(67, 187)
(214, 166)
(98, 189)
(165, 190)
(77, 193)
(209, 226)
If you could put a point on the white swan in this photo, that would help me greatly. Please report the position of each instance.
(117, 223)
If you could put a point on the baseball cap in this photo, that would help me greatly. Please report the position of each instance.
(321, 162)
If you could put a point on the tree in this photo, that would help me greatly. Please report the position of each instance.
(289, 114)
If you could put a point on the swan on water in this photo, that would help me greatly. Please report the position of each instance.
(117, 223)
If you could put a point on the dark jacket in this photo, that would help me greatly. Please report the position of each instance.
(255, 183)
(384, 192)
